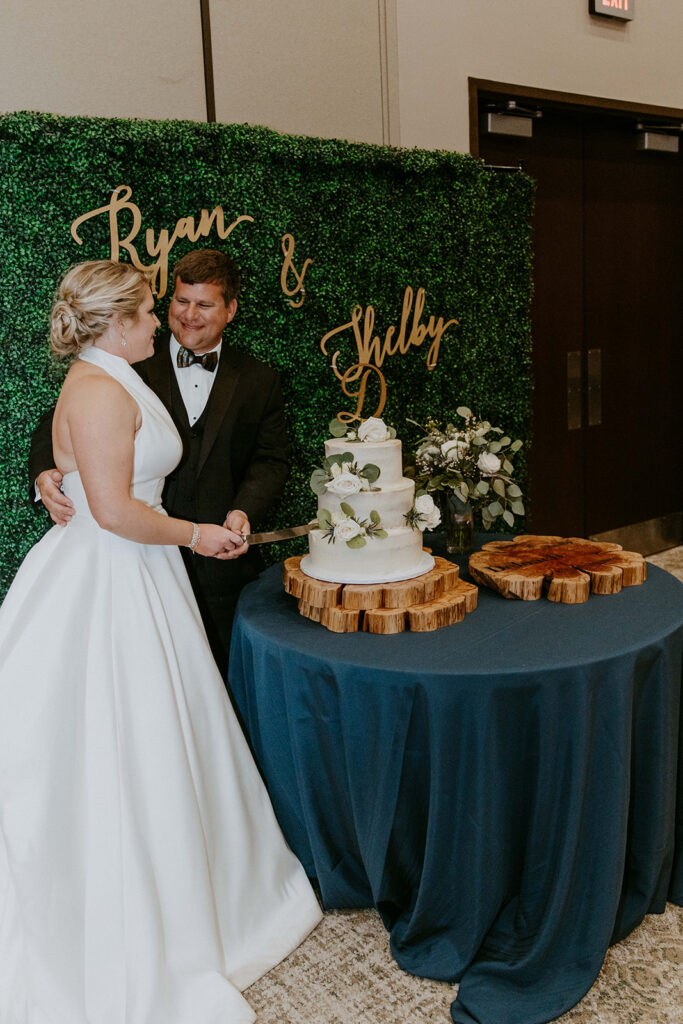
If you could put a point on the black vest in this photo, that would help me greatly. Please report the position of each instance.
(181, 484)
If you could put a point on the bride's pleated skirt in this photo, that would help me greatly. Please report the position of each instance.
(143, 876)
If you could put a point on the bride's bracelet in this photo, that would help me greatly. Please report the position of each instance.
(195, 537)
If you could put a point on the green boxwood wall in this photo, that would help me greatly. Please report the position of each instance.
(373, 219)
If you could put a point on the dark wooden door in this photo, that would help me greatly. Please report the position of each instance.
(607, 306)
(633, 317)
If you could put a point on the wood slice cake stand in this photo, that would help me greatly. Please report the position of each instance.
(568, 569)
(435, 599)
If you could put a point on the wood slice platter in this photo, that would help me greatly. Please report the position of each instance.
(435, 599)
(568, 569)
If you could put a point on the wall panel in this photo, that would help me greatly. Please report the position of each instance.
(310, 67)
(123, 59)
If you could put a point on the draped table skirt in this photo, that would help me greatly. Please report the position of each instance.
(503, 791)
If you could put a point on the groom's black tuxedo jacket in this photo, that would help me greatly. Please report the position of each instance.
(235, 456)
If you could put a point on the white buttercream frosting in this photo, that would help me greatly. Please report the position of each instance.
(397, 556)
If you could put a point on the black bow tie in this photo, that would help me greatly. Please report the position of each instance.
(187, 358)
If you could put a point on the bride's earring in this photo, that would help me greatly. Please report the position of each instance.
(123, 339)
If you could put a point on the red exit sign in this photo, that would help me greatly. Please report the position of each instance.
(623, 9)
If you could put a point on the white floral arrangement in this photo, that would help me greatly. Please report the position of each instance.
(473, 462)
(371, 430)
(424, 515)
(348, 529)
(342, 475)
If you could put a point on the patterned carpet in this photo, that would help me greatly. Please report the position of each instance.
(344, 974)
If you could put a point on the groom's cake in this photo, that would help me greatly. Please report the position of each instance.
(369, 521)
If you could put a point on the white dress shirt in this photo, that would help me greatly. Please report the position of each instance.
(194, 381)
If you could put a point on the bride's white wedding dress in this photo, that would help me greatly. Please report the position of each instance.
(143, 876)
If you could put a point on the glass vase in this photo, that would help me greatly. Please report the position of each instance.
(458, 517)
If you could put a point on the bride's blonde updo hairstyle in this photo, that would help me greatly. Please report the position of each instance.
(90, 296)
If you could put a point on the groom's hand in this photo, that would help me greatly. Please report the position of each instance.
(61, 508)
(238, 522)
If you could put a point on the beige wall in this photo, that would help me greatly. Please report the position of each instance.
(315, 67)
(114, 58)
(311, 67)
(549, 44)
(368, 70)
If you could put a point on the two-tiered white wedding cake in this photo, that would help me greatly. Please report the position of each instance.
(369, 522)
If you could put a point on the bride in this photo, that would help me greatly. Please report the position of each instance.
(143, 876)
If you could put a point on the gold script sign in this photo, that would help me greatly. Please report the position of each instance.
(364, 371)
(373, 350)
(185, 227)
(287, 268)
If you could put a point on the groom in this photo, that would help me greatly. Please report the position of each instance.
(228, 409)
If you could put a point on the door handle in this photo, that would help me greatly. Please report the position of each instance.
(574, 390)
(594, 387)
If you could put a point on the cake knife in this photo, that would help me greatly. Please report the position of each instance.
(272, 535)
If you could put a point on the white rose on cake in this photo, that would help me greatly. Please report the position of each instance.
(429, 516)
(488, 463)
(373, 430)
(343, 483)
(346, 529)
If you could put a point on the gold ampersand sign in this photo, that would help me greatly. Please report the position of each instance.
(289, 268)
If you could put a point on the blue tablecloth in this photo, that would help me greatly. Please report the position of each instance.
(503, 791)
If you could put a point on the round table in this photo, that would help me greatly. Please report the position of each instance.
(503, 791)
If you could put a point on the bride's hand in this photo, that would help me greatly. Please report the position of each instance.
(240, 546)
(217, 542)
